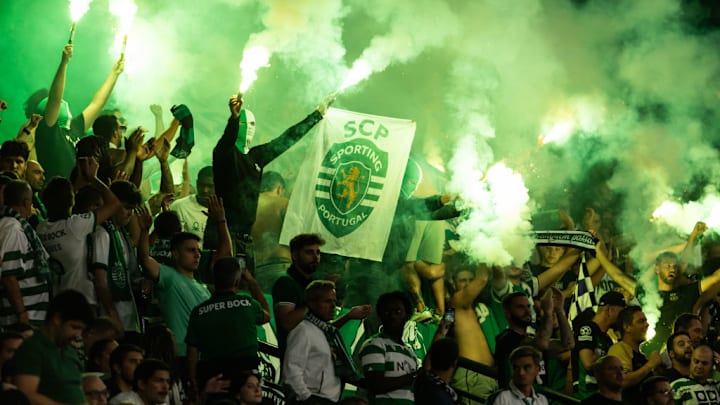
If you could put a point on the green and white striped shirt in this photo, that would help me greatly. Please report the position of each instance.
(381, 353)
(18, 260)
(691, 392)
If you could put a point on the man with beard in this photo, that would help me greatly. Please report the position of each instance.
(190, 209)
(675, 296)
(680, 349)
(698, 388)
(693, 326)
(593, 342)
(288, 292)
(519, 316)
(35, 177)
(633, 326)
(47, 368)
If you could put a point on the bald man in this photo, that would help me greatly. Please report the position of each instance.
(698, 387)
(608, 371)
(96, 392)
(35, 176)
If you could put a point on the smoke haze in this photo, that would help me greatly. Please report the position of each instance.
(627, 85)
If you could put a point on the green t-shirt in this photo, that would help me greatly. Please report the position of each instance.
(59, 369)
(177, 296)
(223, 327)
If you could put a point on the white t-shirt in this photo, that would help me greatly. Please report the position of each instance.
(66, 242)
(191, 215)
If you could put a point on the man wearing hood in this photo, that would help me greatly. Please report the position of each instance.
(238, 168)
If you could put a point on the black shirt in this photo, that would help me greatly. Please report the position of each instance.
(507, 341)
(597, 399)
(237, 175)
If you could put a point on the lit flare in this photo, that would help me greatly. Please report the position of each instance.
(78, 8)
(360, 71)
(254, 58)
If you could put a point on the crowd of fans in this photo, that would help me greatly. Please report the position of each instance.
(113, 293)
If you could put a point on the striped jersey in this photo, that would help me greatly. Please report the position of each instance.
(691, 392)
(381, 353)
(18, 260)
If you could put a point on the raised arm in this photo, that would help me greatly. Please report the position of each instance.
(156, 111)
(132, 146)
(465, 297)
(554, 273)
(567, 341)
(229, 136)
(111, 204)
(256, 292)
(359, 312)
(710, 281)
(57, 88)
(615, 273)
(544, 332)
(185, 186)
(264, 154)
(685, 256)
(145, 152)
(436, 207)
(101, 96)
(216, 213)
(151, 266)
(27, 134)
(162, 152)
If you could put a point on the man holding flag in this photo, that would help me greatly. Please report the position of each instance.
(238, 168)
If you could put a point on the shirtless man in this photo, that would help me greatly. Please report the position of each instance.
(271, 258)
(468, 282)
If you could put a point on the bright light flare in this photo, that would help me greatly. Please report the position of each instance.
(667, 209)
(360, 70)
(559, 132)
(495, 228)
(682, 217)
(78, 8)
(652, 319)
(254, 58)
(581, 113)
(125, 11)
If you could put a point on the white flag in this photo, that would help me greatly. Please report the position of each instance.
(348, 186)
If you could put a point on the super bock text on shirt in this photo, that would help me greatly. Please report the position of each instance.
(219, 306)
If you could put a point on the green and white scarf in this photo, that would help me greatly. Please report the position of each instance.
(40, 256)
(117, 277)
(345, 367)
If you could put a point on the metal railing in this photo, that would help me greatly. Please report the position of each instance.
(491, 372)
